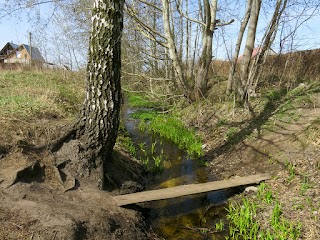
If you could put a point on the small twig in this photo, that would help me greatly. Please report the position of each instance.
(19, 226)
(54, 236)
(200, 230)
(205, 212)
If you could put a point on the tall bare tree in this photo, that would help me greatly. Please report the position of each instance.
(250, 65)
(208, 24)
(265, 45)
(234, 61)
(205, 59)
(249, 46)
(172, 48)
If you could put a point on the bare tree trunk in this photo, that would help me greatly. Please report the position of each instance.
(176, 61)
(98, 126)
(243, 26)
(154, 44)
(205, 59)
(194, 52)
(267, 42)
(181, 47)
(188, 37)
(247, 56)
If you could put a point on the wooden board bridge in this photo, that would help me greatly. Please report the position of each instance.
(189, 189)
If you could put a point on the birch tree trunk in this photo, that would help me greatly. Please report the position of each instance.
(98, 126)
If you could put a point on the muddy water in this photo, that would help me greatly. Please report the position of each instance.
(190, 217)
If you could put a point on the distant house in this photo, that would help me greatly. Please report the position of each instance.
(13, 53)
(6, 50)
(256, 51)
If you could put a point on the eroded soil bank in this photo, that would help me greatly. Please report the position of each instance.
(40, 199)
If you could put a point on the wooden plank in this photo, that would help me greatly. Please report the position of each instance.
(184, 190)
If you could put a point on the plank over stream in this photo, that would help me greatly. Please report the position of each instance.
(185, 190)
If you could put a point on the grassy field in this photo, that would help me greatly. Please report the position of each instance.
(25, 94)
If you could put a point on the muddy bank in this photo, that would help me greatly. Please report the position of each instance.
(42, 198)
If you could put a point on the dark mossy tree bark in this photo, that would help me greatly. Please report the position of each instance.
(98, 126)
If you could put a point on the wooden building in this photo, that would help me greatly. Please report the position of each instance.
(20, 54)
(6, 50)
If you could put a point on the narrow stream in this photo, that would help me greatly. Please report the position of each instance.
(190, 217)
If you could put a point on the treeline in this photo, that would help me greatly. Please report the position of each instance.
(294, 66)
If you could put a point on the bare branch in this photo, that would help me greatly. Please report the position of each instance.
(27, 5)
(178, 3)
(152, 37)
(151, 5)
(147, 28)
(222, 24)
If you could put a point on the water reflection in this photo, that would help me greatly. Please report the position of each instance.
(179, 218)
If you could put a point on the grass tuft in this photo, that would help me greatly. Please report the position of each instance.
(171, 128)
(244, 223)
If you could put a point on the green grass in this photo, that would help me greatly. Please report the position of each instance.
(244, 223)
(147, 115)
(126, 142)
(150, 159)
(291, 170)
(140, 100)
(165, 125)
(265, 194)
(219, 226)
(231, 132)
(174, 130)
(28, 93)
(171, 128)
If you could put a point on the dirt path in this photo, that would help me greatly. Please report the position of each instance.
(274, 144)
(289, 150)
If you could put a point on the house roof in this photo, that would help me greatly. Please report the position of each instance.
(12, 45)
(36, 54)
(257, 50)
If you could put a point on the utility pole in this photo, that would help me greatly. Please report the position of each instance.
(30, 47)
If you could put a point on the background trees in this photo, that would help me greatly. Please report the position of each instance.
(170, 46)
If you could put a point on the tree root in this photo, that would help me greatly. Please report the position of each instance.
(53, 146)
(29, 173)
